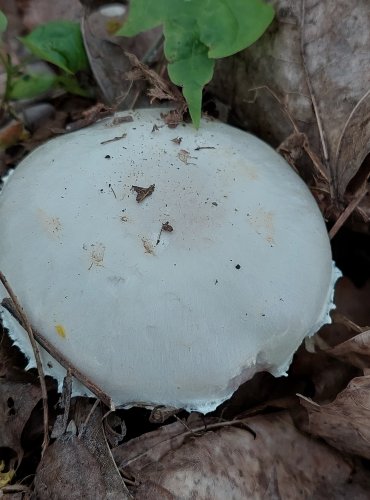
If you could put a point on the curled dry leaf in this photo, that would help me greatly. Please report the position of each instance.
(315, 59)
(232, 462)
(344, 423)
(107, 60)
(106, 52)
(355, 351)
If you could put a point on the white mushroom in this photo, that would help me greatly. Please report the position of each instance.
(214, 266)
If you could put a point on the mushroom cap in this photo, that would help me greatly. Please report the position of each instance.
(173, 295)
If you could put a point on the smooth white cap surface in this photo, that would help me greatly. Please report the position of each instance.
(151, 315)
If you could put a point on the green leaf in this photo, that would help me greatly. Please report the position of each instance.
(31, 85)
(3, 22)
(60, 43)
(197, 32)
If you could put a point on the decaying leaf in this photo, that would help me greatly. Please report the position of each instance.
(17, 400)
(277, 461)
(107, 60)
(344, 423)
(12, 133)
(315, 57)
(80, 466)
(160, 89)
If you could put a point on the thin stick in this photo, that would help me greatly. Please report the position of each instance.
(84, 425)
(99, 393)
(27, 326)
(347, 212)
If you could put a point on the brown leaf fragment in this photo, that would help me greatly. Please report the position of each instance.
(90, 116)
(12, 133)
(344, 423)
(117, 120)
(161, 89)
(174, 117)
(160, 414)
(229, 462)
(107, 60)
(142, 193)
(177, 140)
(184, 156)
(80, 466)
(167, 227)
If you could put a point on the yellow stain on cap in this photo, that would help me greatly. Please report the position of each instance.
(61, 331)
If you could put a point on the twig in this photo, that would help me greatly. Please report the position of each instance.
(84, 425)
(27, 326)
(347, 212)
(99, 393)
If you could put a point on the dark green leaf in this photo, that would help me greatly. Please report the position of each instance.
(196, 32)
(31, 85)
(60, 43)
(3, 22)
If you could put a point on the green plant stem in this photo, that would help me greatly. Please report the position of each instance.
(6, 62)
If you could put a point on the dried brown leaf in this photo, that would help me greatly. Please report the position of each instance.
(108, 62)
(17, 400)
(160, 88)
(229, 462)
(316, 57)
(12, 133)
(344, 423)
(142, 193)
(90, 116)
(355, 351)
(82, 466)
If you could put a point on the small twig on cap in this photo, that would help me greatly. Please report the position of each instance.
(27, 326)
